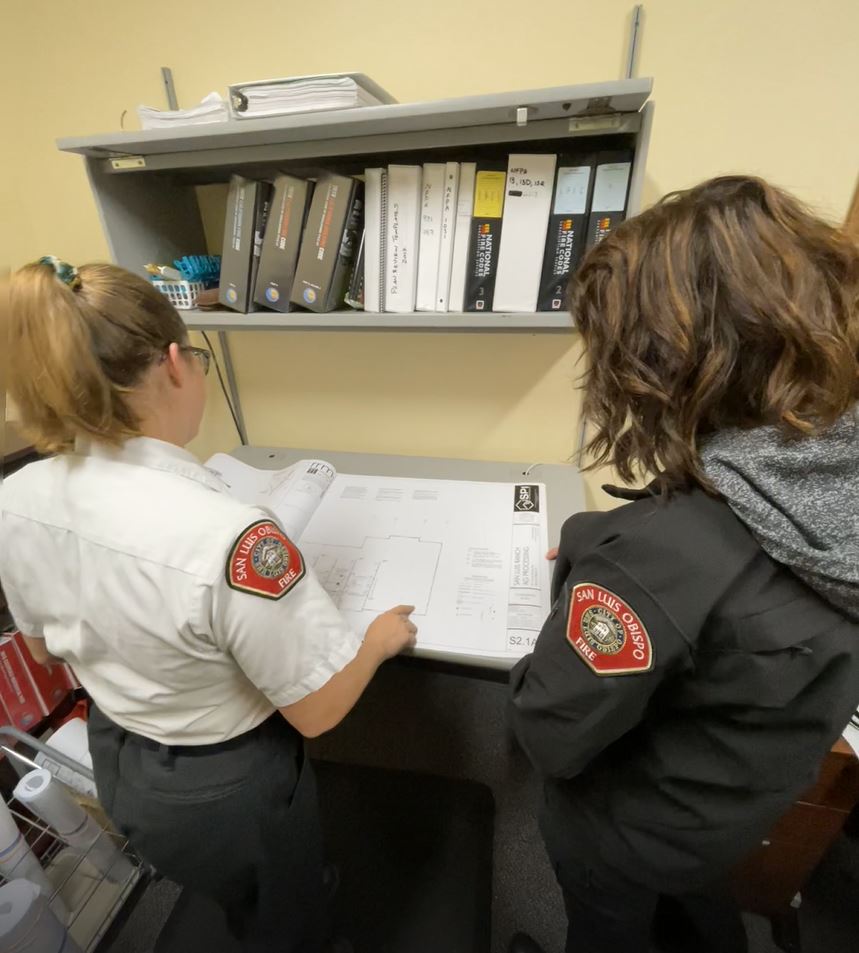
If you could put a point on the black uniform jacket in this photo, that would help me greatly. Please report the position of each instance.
(682, 692)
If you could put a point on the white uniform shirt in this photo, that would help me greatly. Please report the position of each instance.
(186, 614)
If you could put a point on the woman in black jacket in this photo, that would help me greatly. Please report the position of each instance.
(702, 652)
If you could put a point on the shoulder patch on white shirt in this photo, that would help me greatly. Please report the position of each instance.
(264, 562)
(607, 633)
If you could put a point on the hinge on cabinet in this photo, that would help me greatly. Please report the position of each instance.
(591, 123)
(128, 162)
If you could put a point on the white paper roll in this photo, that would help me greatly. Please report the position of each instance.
(38, 791)
(27, 924)
(18, 861)
(72, 740)
(50, 800)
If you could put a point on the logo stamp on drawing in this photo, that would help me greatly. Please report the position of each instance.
(526, 498)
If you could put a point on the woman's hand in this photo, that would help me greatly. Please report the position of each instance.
(553, 553)
(392, 631)
(387, 636)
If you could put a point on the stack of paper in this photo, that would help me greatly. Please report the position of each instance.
(302, 94)
(213, 108)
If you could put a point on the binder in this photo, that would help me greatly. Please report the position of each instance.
(401, 272)
(462, 236)
(376, 239)
(565, 241)
(448, 231)
(611, 190)
(485, 237)
(355, 291)
(298, 94)
(282, 242)
(247, 207)
(527, 203)
(432, 205)
(329, 244)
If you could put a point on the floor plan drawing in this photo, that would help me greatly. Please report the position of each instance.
(470, 557)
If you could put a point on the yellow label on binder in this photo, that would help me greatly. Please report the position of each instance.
(489, 194)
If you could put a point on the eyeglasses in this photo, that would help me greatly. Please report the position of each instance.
(204, 355)
(201, 353)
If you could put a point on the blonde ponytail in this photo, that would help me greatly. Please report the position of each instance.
(76, 350)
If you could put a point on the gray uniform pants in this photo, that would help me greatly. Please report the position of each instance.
(237, 822)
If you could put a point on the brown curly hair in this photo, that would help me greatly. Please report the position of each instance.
(725, 305)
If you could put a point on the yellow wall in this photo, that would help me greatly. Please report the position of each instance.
(761, 86)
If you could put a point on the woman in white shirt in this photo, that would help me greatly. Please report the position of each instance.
(208, 646)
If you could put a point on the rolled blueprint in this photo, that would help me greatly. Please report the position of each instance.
(27, 924)
(50, 800)
(18, 861)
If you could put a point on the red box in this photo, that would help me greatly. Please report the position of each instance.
(29, 691)
(17, 688)
(51, 681)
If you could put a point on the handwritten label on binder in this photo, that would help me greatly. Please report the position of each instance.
(489, 194)
(571, 194)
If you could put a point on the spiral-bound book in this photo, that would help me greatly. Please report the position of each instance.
(375, 238)
(404, 214)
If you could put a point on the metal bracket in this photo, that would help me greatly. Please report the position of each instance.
(169, 88)
(637, 15)
(232, 387)
(522, 116)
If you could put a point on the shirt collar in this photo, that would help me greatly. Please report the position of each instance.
(153, 454)
(629, 493)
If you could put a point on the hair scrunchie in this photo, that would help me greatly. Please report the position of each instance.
(67, 273)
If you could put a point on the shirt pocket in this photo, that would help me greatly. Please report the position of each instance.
(767, 659)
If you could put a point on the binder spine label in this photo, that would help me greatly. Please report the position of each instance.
(395, 249)
(324, 234)
(566, 237)
(489, 188)
(238, 219)
(608, 207)
(563, 251)
(485, 236)
(286, 210)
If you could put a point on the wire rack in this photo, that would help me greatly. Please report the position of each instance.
(93, 901)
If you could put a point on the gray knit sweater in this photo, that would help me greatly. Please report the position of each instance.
(799, 498)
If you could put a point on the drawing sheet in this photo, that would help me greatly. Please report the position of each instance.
(469, 556)
(292, 494)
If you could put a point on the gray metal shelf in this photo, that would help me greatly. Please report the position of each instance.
(579, 103)
(362, 321)
(145, 184)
